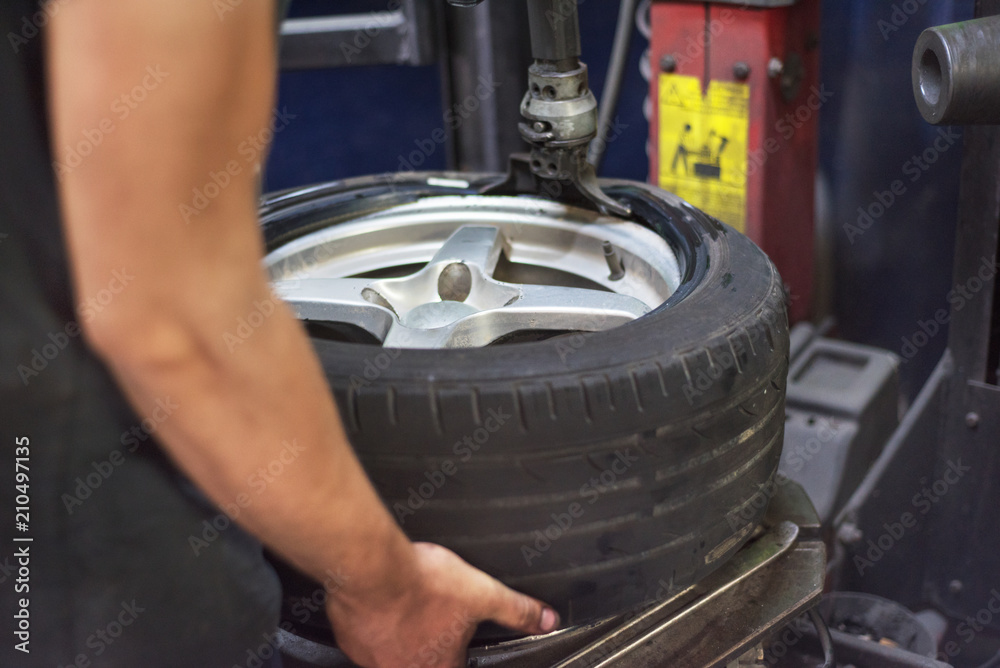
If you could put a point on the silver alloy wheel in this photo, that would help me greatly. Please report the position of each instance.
(572, 401)
(468, 271)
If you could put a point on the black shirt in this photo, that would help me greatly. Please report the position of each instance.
(128, 564)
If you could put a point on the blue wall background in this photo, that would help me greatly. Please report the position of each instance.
(356, 121)
(899, 272)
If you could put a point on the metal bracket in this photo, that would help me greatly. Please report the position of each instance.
(575, 183)
(404, 36)
(774, 578)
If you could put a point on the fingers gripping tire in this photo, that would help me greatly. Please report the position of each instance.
(593, 470)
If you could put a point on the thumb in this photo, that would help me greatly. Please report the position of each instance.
(519, 612)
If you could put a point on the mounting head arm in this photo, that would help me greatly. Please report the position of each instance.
(559, 110)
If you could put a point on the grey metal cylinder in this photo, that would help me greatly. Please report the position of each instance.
(956, 73)
(555, 29)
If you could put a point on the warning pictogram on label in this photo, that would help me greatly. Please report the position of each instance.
(703, 145)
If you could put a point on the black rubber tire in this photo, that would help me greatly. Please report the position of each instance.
(626, 463)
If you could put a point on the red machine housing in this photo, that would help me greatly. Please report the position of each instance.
(775, 51)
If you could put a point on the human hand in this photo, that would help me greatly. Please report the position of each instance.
(429, 623)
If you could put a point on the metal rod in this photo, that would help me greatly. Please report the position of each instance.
(613, 82)
(614, 261)
(956, 73)
(825, 641)
(555, 31)
(928, 397)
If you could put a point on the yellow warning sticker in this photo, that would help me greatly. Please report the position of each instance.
(703, 145)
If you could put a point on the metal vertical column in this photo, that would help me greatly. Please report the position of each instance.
(965, 563)
(486, 48)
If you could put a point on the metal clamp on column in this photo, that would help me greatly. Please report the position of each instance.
(560, 115)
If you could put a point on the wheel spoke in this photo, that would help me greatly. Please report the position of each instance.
(401, 336)
(588, 308)
(474, 245)
(342, 300)
(540, 308)
(543, 307)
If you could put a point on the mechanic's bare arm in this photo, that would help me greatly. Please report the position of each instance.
(163, 335)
